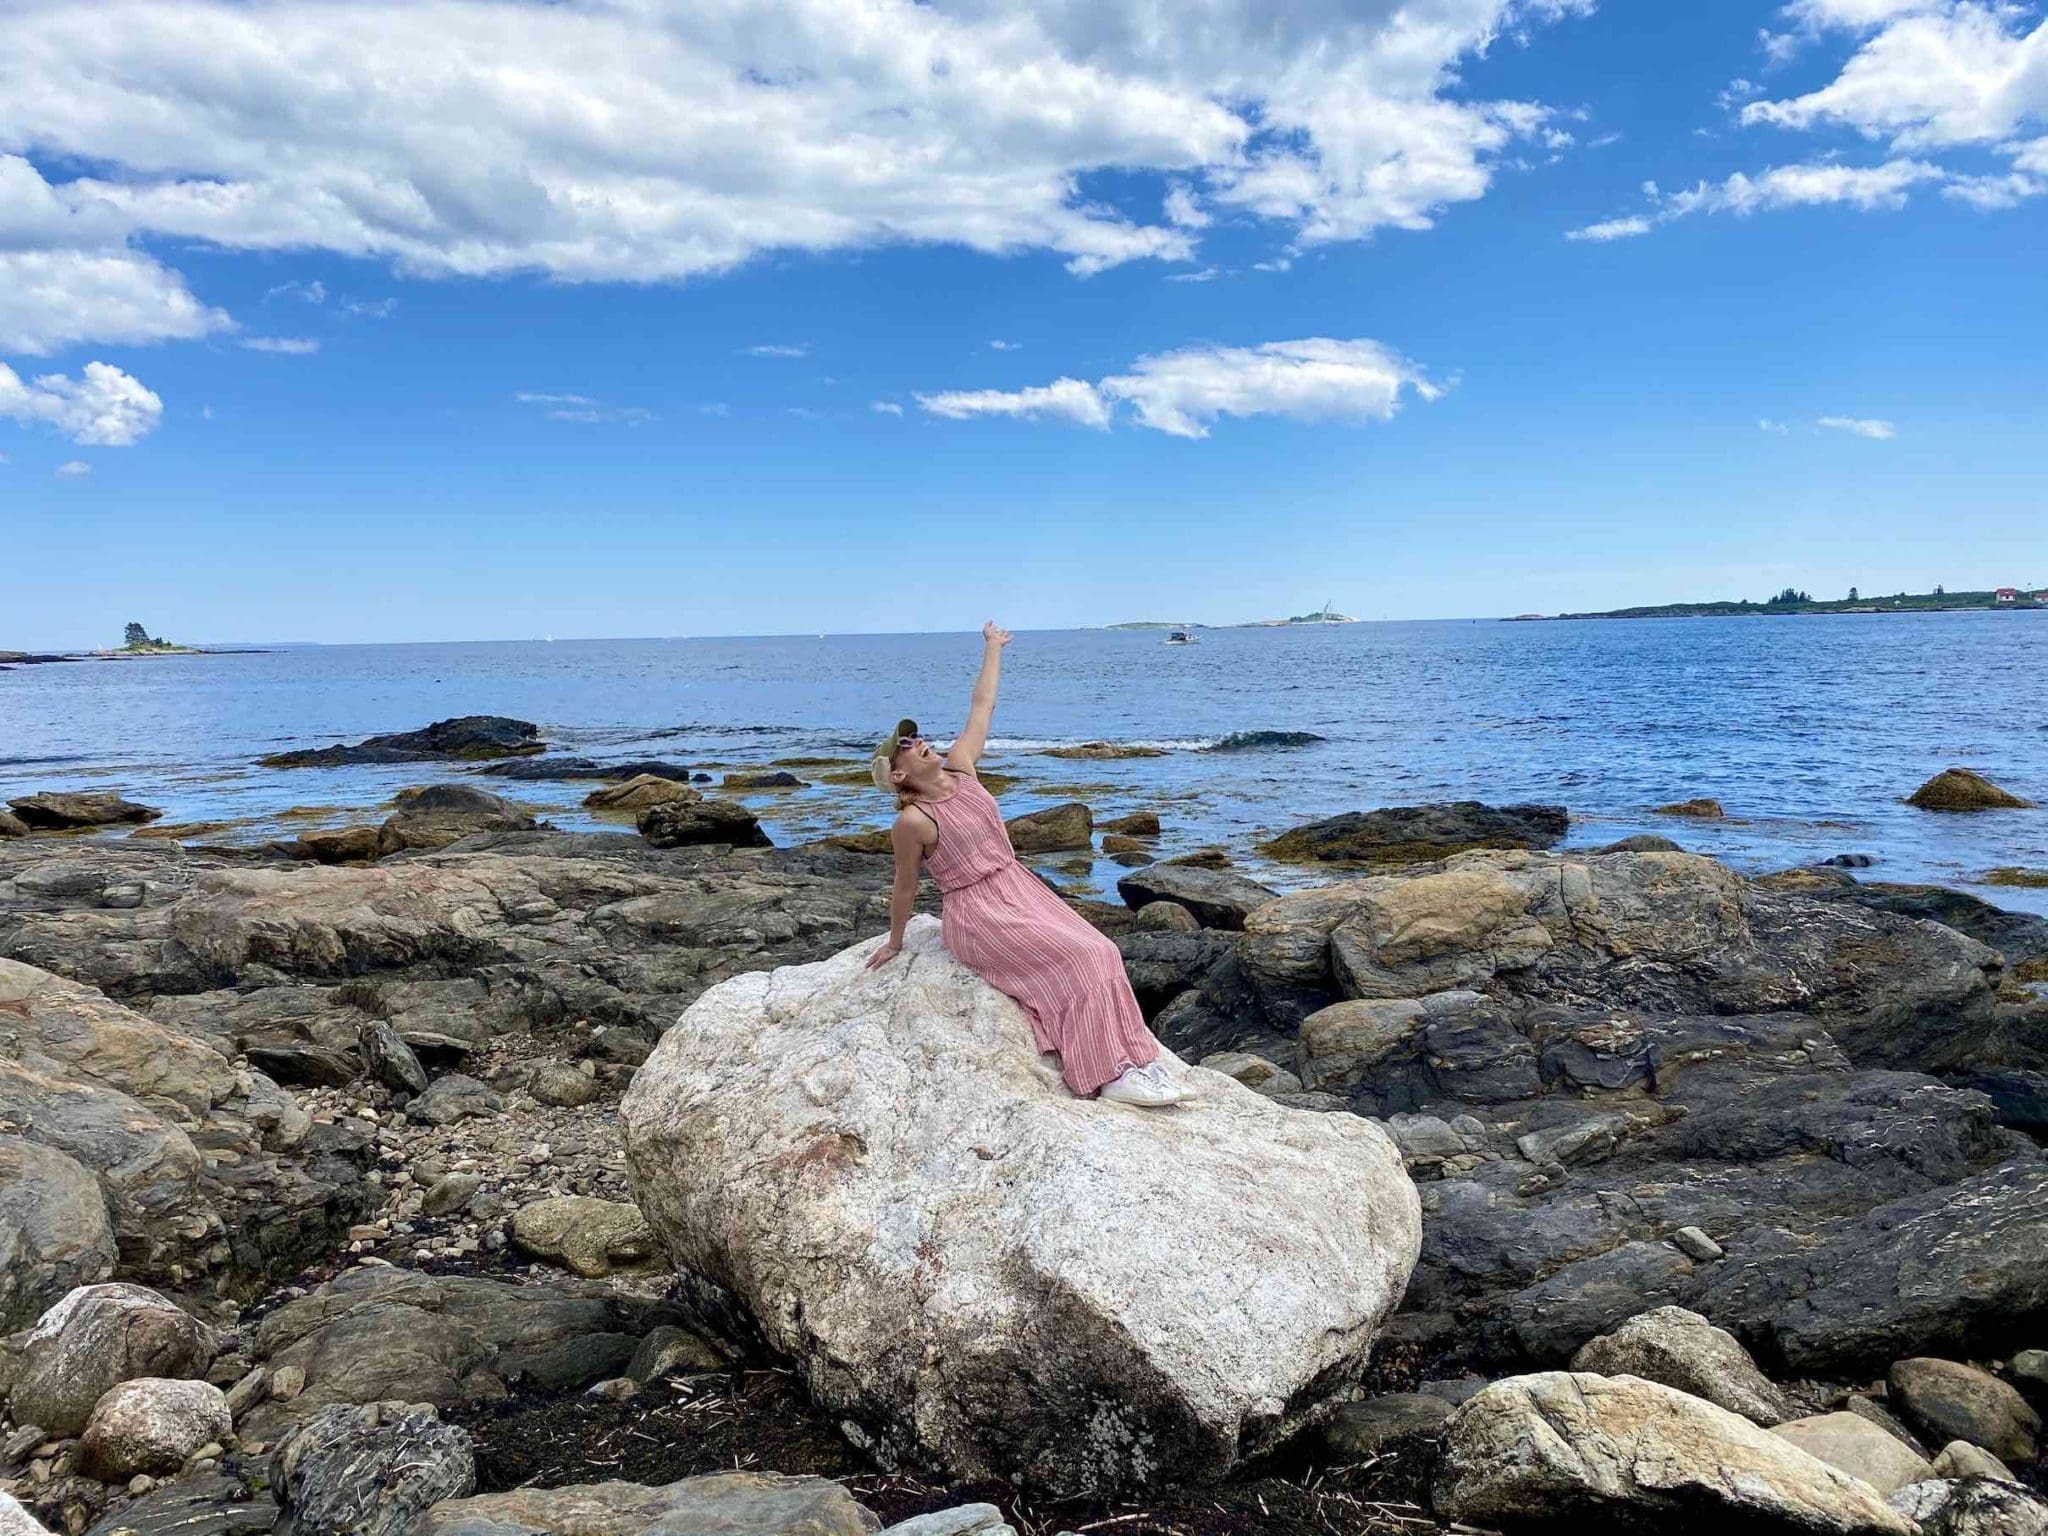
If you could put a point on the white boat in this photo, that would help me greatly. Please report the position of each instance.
(1185, 635)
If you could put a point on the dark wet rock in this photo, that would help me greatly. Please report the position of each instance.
(1161, 965)
(57, 811)
(1946, 1400)
(670, 1351)
(726, 1503)
(1848, 861)
(1136, 824)
(369, 1470)
(1164, 917)
(1218, 898)
(773, 778)
(2019, 1097)
(2018, 936)
(202, 1504)
(1642, 842)
(95, 1339)
(343, 845)
(677, 824)
(1413, 834)
(1057, 827)
(1964, 789)
(542, 769)
(469, 738)
(12, 825)
(55, 1233)
(379, 1335)
(1361, 1431)
(440, 814)
(1701, 809)
(1261, 741)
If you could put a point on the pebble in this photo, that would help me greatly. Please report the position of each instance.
(1695, 1244)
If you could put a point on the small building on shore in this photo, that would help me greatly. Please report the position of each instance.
(2006, 595)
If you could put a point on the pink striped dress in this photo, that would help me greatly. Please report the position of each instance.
(1003, 923)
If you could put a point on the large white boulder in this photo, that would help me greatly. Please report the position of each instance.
(988, 1273)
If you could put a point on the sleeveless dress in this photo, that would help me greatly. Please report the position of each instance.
(1007, 926)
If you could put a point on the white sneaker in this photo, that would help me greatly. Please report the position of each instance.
(1141, 1086)
(1181, 1091)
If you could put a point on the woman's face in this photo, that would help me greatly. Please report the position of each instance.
(914, 755)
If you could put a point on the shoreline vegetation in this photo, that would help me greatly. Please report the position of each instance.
(1791, 600)
(1327, 616)
(136, 641)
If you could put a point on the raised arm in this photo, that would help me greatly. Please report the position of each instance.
(967, 747)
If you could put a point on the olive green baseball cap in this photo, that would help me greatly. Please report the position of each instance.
(885, 752)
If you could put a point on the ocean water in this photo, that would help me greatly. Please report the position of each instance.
(1809, 730)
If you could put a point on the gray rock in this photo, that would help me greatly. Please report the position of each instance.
(1681, 1349)
(728, 1503)
(151, 1426)
(1974, 1507)
(1696, 1245)
(589, 1237)
(55, 1233)
(966, 1520)
(93, 1340)
(561, 1084)
(391, 1060)
(12, 825)
(378, 1335)
(1618, 1452)
(14, 1520)
(1946, 1400)
(1960, 1459)
(2030, 1369)
(449, 1193)
(452, 1098)
(471, 738)
(1858, 1447)
(667, 1351)
(1218, 898)
(1364, 1430)
(372, 1470)
(199, 1504)
(1255, 1072)
(440, 814)
(1164, 917)
(1052, 830)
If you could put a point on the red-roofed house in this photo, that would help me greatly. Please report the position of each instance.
(2006, 595)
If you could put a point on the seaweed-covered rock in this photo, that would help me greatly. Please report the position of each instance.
(1964, 789)
(683, 824)
(1057, 827)
(467, 738)
(58, 811)
(1415, 834)
(639, 792)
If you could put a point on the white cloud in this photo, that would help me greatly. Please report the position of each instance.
(779, 349)
(1775, 428)
(1184, 392)
(1200, 275)
(584, 410)
(650, 140)
(1612, 229)
(104, 406)
(314, 292)
(1860, 426)
(1005, 346)
(55, 299)
(886, 408)
(1064, 399)
(370, 309)
(289, 346)
(72, 469)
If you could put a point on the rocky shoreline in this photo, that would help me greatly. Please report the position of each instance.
(329, 1125)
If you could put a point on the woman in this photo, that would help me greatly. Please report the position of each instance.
(1001, 920)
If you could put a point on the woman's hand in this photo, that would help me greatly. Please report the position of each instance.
(995, 634)
(889, 951)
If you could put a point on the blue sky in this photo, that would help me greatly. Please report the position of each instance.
(635, 318)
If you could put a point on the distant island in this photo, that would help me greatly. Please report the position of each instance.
(136, 641)
(1792, 600)
(1328, 615)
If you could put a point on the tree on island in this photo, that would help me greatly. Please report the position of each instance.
(1852, 594)
(1790, 595)
(136, 638)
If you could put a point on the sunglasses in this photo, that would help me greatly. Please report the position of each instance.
(908, 742)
